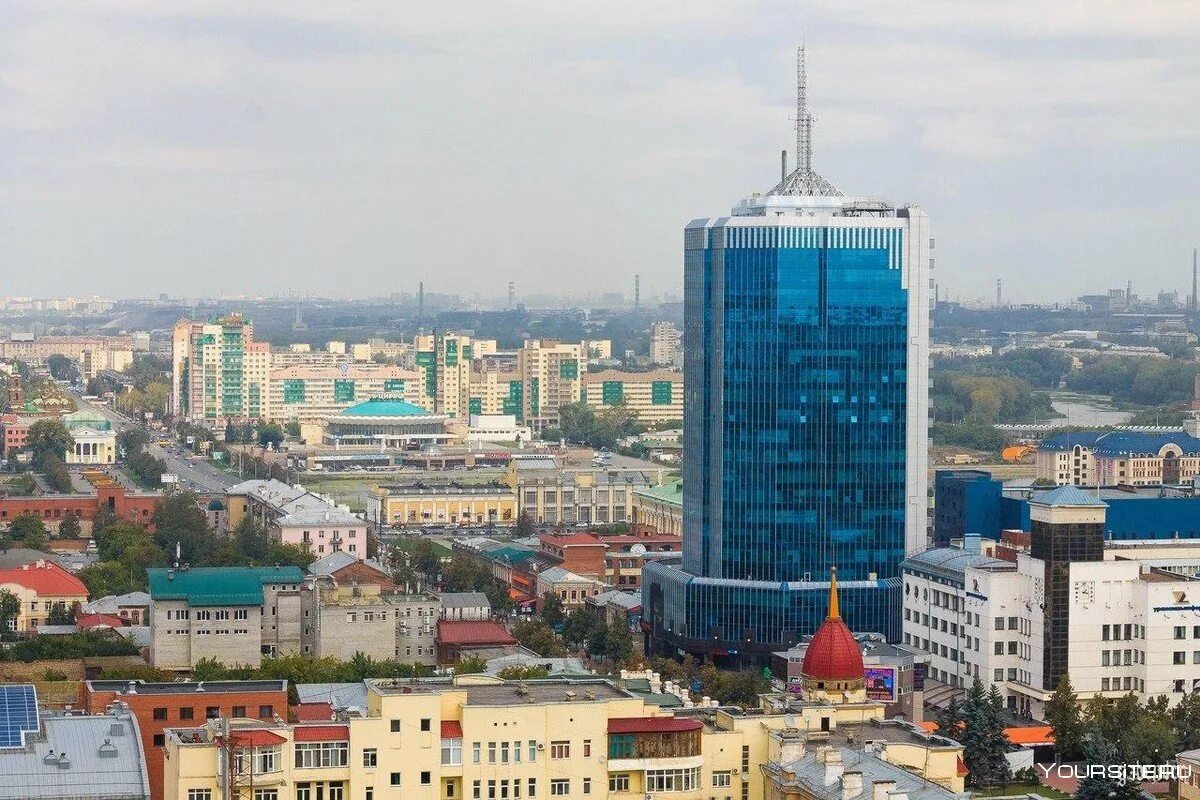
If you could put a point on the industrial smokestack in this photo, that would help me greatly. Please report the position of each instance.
(782, 165)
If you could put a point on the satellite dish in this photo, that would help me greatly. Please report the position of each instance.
(638, 549)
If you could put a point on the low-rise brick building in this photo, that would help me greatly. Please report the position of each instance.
(158, 706)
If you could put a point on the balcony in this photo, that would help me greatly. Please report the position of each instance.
(636, 744)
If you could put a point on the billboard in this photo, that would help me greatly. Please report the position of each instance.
(881, 683)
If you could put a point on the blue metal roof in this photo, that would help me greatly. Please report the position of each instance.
(383, 407)
(1066, 441)
(1124, 443)
(18, 714)
(1068, 496)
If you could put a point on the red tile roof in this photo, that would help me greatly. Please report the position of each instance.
(257, 738)
(321, 733)
(653, 725)
(313, 712)
(473, 633)
(451, 729)
(46, 578)
(572, 539)
(85, 621)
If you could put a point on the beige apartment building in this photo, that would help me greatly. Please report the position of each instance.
(444, 361)
(652, 397)
(234, 615)
(369, 618)
(218, 370)
(551, 376)
(304, 393)
(554, 496)
(475, 737)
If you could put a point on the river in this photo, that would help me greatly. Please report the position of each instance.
(1088, 410)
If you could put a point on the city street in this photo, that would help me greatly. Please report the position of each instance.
(194, 473)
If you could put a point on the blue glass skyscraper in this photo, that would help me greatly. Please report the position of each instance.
(806, 386)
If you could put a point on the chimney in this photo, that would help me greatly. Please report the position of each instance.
(881, 789)
(852, 784)
(899, 794)
(834, 766)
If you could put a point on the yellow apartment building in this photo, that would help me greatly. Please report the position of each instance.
(302, 392)
(420, 503)
(478, 738)
(652, 397)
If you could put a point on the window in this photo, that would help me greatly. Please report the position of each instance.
(160, 713)
(266, 712)
(999, 623)
(317, 755)
(395, 779)
(476, 790)
(266, 794)
(212, 712)
(238, 712)
(199, 794)
(187, 713)
(395, 726)
(618, 782)
(504, 752)
(1180, 631)
(621, 745)
(426, 778)
(425, 723)
(491, 752)
(587, 747)
(491, 790)
(370, 793)
(587, 785)
(722, 780)
(559, 749)
(532, 787)
(304, 791)
(532, 753)
(452, 751)
(370, 757)
(159, 740)
(672, 780)
(560, 787)
(1179, 657)
(475, 752)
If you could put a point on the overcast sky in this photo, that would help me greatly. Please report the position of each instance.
(354, 148)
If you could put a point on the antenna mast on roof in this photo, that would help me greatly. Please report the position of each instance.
(803, 180)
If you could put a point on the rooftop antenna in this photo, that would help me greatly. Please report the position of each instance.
(1195, 264)
(803, 180)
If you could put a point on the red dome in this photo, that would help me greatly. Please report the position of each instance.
(833, 654)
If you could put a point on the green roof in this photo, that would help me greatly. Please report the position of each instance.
(383, 407)
(218, 586)
(512, 555)
(669, 492)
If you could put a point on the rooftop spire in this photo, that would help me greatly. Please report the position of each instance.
(803, 180)
(834, 610)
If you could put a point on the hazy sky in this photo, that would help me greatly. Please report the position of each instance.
(353, 148)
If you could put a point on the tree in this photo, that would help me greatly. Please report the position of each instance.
(133, 440)
(578, 626)
(552, 609)
(178, 519)
(471, 665)
(1098, 750)
(10, 608)
(103, 519)
(250, 538)
(108, 577)
(538, 637)
(70, 528)
(983, 739)
(618, 643)
(524, 527)
(48, 437)
(61, 614)
(57, 474)
(292, 429)
(270, 434)
(1185, 717)
(949, 720)
(1066, 721)
(61, 367)
(29, 530)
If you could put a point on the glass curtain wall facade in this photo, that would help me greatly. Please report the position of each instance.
(801, 335)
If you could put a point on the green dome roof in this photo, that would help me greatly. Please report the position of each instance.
(382, 407)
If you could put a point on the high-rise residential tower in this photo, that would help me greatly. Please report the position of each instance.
(806, 334)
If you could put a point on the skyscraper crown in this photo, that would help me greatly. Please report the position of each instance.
(803, 180)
